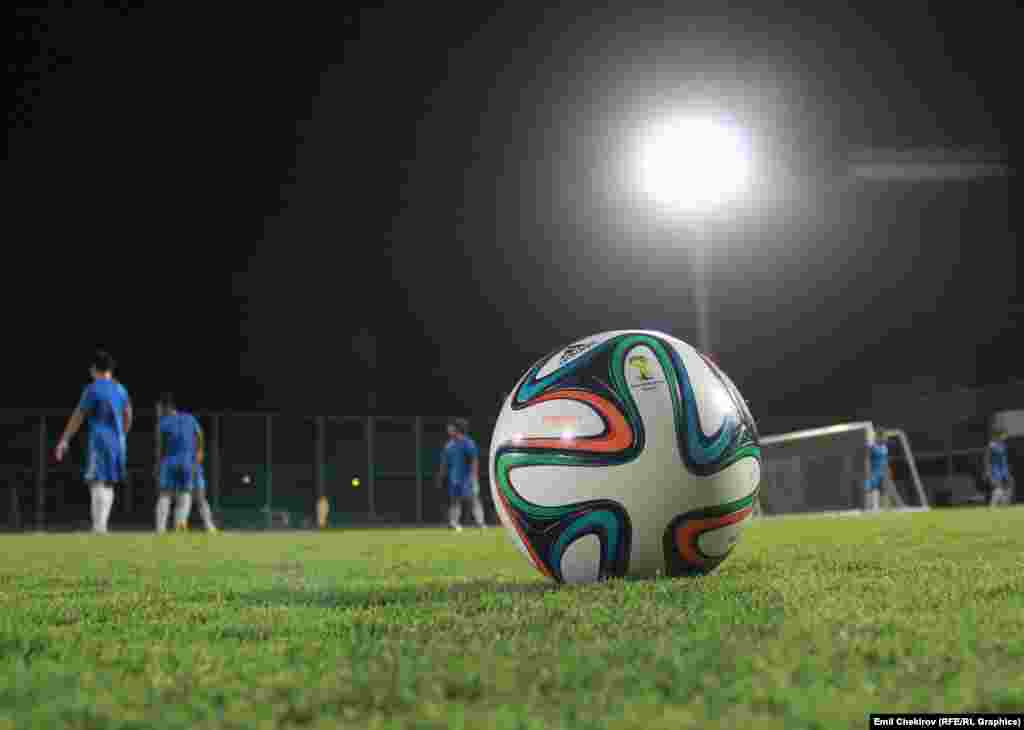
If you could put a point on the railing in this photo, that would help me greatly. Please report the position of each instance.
(257, 463)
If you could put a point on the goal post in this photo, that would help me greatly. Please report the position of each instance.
(824, 469)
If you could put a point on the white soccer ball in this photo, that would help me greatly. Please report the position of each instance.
(628, 453)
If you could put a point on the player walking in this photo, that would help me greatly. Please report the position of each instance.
(997, 470)
(460, 471)
(181, 447)
(106, 405)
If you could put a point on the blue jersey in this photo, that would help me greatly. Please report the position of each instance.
(458, 456)
(179, 433)
(999, 464)
(879, 459)
(104, 403)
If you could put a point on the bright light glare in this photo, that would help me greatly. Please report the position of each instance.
(568, 435)
(693, 165)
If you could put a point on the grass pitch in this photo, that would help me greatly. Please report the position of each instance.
(812, 623)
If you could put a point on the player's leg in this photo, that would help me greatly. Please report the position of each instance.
(204, 509)
(106, 504)
(183, 498)
(892, 494)
(117, 473)
(182, 507)
(96, 497)
(871, 493)
(163, 510)
(1003, 494)
(478, 509)
(455, 510)
(199, 496)
(1007, 487)
(100, 471)
(167, 486)
(996, 497)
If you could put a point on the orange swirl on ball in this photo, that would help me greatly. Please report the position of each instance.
(617, 437)
(688, 533)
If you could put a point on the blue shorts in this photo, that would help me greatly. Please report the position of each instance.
(177, 476)
(873, 482)
(999, 475)
(465, 488)
(105, 460)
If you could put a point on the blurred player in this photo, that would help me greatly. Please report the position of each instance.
(878, 472)
(181, 442)
(106, 404)
(997, 470)
(460, 472)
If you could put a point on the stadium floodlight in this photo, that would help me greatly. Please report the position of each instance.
(691, 166)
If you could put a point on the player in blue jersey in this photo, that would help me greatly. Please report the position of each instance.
(997, 470)
(108, 409)
(181, 447)
(878, 472)
(460, 472)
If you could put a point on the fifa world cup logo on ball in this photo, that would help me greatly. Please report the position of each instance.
(642, 366)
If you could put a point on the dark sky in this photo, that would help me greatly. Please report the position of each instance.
(225, 201)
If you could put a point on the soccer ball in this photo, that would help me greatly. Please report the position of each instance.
(628, 453)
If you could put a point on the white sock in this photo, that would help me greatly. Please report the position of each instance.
(182, 507)
(478, 511)
(205, 512)
(96, 505)
(997, 497)
(107, 506)
(455, 513)
(163, 510)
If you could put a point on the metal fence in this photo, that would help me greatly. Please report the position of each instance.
(262, 469)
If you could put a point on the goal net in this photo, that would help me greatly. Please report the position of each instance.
(824, 470)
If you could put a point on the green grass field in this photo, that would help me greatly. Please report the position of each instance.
(812, 623)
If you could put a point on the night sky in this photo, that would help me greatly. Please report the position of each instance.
(226, 202)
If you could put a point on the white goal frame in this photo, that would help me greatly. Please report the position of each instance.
(891, 434)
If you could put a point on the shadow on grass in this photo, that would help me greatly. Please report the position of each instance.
(356, 598)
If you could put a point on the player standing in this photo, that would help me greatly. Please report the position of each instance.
(181, 445)
(106, 404)
(997, 470)
(878, 472)
(460, 471)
